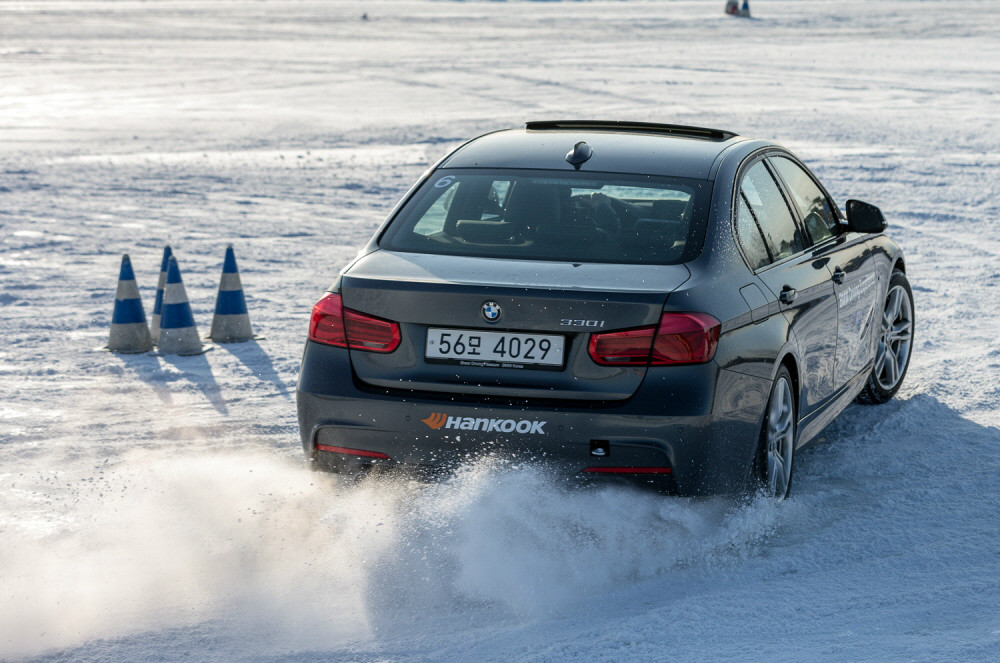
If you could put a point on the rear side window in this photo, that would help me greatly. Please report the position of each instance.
(820, 221)
(554, 215)
(775, 219)
(749, 235)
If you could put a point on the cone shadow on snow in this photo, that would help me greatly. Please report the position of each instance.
(146, 367)
(253, 356)
(198, 372)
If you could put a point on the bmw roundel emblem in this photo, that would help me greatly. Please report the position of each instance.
(491, 311)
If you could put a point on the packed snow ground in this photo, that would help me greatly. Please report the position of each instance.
(158, 508)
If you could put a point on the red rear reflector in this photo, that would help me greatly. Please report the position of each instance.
(351, 452)
(333, 324)
(628, 470)
(679, 338)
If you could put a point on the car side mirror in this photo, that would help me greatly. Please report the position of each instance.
(864, 217)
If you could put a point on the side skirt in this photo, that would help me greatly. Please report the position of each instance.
(813, 424)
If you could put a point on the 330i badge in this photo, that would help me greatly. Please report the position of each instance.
(672, 305)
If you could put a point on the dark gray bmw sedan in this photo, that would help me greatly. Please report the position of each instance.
(665, 304)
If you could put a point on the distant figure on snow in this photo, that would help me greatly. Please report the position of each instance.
(733, 8)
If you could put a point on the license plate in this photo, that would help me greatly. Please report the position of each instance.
(469, 347)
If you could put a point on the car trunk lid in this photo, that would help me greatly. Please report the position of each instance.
(571, 301)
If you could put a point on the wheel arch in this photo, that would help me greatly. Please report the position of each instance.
(789, 362)
(758, 465)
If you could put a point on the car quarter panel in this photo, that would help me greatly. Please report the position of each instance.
(755, 333)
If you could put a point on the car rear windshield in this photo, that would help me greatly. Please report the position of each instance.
(554, 215)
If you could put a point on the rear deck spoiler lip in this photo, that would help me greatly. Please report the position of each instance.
(623, 126)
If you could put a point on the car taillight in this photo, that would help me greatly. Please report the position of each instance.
(624, 348)
(327, 322)
(679, 338)
(365, 332)
(333, 324)
(685, 338)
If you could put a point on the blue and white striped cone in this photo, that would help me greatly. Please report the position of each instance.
(129, 333)
(178, 335)
(231, 322)
(154, 328)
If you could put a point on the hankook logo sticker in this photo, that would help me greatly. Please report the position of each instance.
(436, 420)
(439, 420)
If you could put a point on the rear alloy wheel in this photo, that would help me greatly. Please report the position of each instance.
(777, 439)
(892, 355)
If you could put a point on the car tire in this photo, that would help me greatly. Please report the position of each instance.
(894, 346)
(774, 461)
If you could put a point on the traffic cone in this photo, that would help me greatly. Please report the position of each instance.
(129, 333)
(154, 329)
(231, 322)
(178, 335)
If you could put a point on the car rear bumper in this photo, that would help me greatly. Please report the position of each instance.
(675, 432)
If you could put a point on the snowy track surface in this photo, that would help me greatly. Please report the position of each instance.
(158, 509)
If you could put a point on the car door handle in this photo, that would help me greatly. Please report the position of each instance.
(839, 276)
(788, 295)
